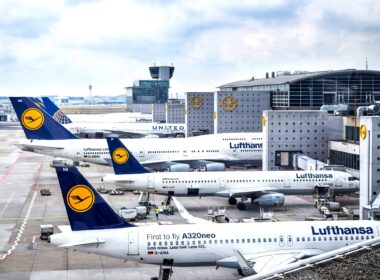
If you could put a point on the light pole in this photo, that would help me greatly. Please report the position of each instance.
(90, 88)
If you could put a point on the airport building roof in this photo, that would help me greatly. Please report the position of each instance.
(286, 78)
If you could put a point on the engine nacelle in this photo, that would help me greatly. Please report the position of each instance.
(271, 199)
(215, 166)
(179, 167)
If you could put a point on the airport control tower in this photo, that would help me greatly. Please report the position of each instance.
(154, 91)
(161, 72)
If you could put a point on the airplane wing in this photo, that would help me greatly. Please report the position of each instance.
(283, 269)
(190, 219)
(188, 160)
(83, 242)
(31, 148)
(249, 192)
(266, 261)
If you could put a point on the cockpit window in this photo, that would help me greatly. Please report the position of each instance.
(352, 178)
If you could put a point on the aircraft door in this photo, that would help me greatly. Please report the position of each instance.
(141, 153)
(222, 185)
(185, 154)
(150, 183)
(281, 241)
(133, 243)
(290, 240)
(338, 182)
(286, 183)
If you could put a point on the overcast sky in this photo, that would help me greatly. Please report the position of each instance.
(59, 47)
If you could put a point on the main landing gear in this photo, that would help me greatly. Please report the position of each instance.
(232, 201)
(240, 206)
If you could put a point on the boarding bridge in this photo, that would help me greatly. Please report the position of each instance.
(306, 163)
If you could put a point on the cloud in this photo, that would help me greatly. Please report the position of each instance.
(60, 47)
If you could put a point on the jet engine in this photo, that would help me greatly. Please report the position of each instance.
(179, 167)
(214, 166)
(270, 199)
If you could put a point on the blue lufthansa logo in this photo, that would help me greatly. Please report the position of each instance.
(246, 145)
(313, 176)
(334, 230)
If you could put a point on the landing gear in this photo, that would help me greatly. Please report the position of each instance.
(232, 201)
(241, 206)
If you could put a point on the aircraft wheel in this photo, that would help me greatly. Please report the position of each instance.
(241, 206)
(232, 201)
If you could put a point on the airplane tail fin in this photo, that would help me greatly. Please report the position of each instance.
(36, 123)
(86, 209)
(55, 112)
(123, 160)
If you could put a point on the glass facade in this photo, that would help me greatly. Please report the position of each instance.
(346, 159)
(352, 133)
(311, 91)
(148, 92)
(355, 88)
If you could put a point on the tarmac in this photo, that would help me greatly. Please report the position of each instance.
(22, 210)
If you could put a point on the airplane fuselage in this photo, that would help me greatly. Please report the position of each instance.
(193, 245)
(230, 148)
(134, 128)
(228, 182)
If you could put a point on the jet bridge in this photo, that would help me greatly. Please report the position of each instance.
(306, 163)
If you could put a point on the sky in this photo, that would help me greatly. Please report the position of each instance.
(60, 47)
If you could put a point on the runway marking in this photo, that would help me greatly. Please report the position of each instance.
(21, 230)
(6, 205)
(27, 214)
(11, 167)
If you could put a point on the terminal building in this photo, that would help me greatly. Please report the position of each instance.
(303, 90)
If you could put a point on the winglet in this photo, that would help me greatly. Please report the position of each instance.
(54, 111)
(38, 124)
(85, 208)
(123, 160)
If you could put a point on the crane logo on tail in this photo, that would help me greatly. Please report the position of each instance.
(32, 119)
(120, 155)
(80, 198)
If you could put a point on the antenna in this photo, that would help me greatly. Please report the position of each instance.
(366, 63)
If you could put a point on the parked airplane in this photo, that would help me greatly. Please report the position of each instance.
(250, 248)
(209, 152)
(129, 117)
(92, 129)
(264, 188)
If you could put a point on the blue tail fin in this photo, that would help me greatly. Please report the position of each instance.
(37, 124)
(85, 208)
(54, 111)
(123, 160)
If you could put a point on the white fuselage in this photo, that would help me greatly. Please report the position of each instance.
(110, 118)
(206, 244)
(135, 128)
(230, 182)
(230, 148)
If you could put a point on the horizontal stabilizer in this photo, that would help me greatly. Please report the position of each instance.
(83, 242)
